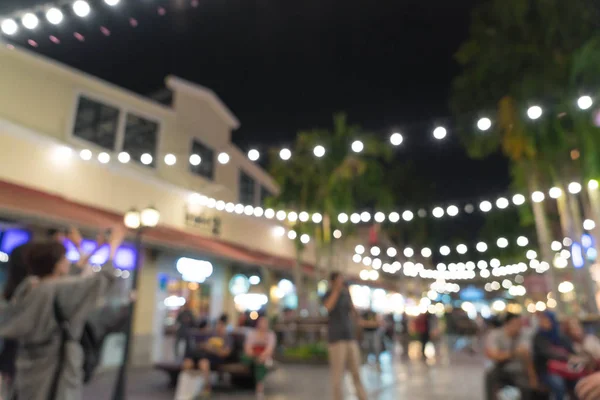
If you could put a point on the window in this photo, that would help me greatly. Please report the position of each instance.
(207, 160)
(247, 189)
(264, 195)
(141, 136)
(99, 123)
(96, 123)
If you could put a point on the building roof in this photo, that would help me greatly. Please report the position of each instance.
(192, 89)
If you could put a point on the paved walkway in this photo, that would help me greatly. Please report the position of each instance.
(449, 377)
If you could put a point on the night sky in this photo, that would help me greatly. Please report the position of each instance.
(282, 66)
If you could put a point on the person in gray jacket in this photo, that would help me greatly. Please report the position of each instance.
(30, 317)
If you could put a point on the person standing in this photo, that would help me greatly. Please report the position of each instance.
(185, 321)
(50, 362)
(344, 351)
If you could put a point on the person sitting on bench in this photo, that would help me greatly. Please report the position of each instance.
(508, 350)
(208, 351)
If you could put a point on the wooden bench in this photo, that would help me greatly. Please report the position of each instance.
(241, 375)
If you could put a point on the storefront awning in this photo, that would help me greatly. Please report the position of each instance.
(30, 205)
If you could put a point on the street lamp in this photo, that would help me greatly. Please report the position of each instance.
(138, 221)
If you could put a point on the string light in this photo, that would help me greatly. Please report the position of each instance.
(396, 139)
(574, 187)
(537, 197)
(452, 211)
(81, 8)
(484, 124)
(170, 159)
(195, 160)
(485, 206)
(343, 218)
(85, 154)
(534, 112)
(439, 133)
(9, 27)
(555, 192)
(588, 225)
(518, 199)
(30, 21)
(502, 203)
(407, 216)
(584, 102)
(124, 157)
(379, 217)
(285, 154)
(438, 212)
(357, 146)
(319, 151)
(223, 158)
(253, 155)
(54, 16)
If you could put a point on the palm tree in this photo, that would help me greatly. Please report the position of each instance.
(339, 181)
(524, 51)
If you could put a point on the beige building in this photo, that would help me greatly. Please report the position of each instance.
(77, 150)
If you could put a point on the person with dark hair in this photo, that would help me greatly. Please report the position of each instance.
(47, 314)
(344, 351)
(509, 351)
(17, 272)
(207, 352)
(259, 347)
(550, 344)
(185, 321)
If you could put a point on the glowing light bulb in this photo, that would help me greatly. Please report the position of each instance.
(396, 139)
(440, 133)
(484, 124)
(584, 102)
(534, 112)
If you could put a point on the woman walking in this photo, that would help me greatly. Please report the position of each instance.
(46, 315)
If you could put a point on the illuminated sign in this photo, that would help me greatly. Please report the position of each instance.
(12, 238)
(193, 270)
(239, 284)
(125, 256)
(577, 255)
(250, 301)
(198, 220)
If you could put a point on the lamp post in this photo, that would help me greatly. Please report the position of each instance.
(138, 221)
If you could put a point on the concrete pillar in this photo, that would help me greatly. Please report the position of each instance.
(143, 319)
(219, 293)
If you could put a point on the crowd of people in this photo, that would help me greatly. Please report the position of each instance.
(541, 356)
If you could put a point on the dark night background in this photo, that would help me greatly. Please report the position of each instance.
(283, 66)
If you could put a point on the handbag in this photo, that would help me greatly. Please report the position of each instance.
(569, 370)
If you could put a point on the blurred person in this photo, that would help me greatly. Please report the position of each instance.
(584, 344)
(508, 349)
(258, 352)
(550, 344)
(372, 335)
(185, 321)
(589, 387)
(423, 327)
(17, 272)
(344, 351)
(46, 313)
(208, 352)
(404, 334)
